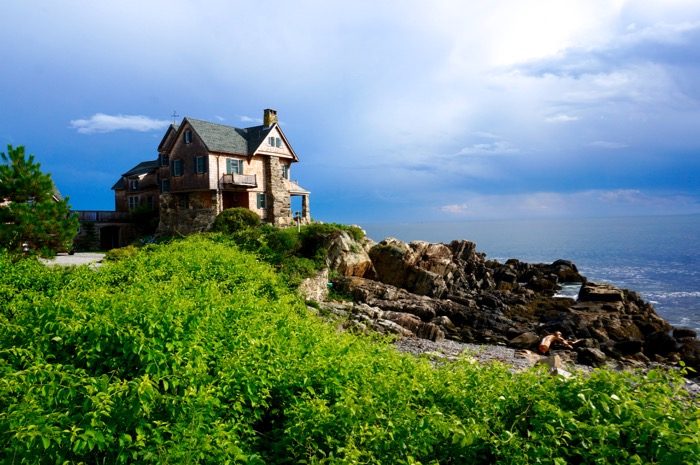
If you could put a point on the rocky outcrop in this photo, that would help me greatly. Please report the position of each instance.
(347, 256)
(452, 291)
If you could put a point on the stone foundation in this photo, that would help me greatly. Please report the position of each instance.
(178, 217)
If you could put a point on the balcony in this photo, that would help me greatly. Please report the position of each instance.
(239, 180)
(102, 216)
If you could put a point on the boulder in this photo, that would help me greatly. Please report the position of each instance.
(590, 356)
(347, 256)
(592, 292)
(682, 333)
(316, 287)
(526, 340)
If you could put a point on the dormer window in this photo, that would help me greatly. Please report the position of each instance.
(188, 137)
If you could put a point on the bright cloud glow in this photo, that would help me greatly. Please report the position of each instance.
(387, 103)
(561, 118)
(102, 123)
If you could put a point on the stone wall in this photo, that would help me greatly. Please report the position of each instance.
(178, 218)
(279, 208)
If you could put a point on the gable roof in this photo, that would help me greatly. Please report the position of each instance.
(171, 130)
(142, 168)
(229, 139)
(220, 138)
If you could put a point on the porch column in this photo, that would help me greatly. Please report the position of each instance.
(305, 210)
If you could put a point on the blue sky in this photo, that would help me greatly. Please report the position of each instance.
(399, 111)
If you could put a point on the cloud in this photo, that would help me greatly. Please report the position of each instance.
(587, 203)
(561, 118)
(455, 208)
(102, 123)
(605, 144)
(489, 148)
(249, 119)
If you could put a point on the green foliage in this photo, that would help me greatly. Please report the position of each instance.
(144, 219)
(297, 254)
(196, 352)
(88, 240)
(121, 253)
(29, 214)
(236, 219)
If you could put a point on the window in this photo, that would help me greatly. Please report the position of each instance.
(278, 142)
(261, 200)
(133, 202)
(188, 137)
(285, 171)
(271, 141)
(133, 184)
(200, 164)
(164, 160)
(177, 168)
(234, 166)
(165, 185)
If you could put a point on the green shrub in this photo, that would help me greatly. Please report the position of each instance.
(195, 352)
(236, 219)
(121, 253)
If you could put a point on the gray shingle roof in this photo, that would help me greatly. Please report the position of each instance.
(142, 168)
(228, 139)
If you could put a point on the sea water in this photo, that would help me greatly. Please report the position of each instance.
(657, 256)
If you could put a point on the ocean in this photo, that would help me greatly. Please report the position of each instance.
(657, 256)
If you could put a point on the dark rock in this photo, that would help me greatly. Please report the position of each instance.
(586, 343)
(629, 347)
(690, 354)
(525, 341)
(660, 343)
(591, 356)
(681, 333)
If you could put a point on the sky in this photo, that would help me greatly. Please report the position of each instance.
(405, 111)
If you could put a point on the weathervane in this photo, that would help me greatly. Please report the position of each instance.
(174, 115)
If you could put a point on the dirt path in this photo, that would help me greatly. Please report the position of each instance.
(81, 258)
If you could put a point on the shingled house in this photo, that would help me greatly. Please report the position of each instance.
(204, 168)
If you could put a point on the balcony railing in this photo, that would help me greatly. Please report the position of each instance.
(244, 180)
(102, 216)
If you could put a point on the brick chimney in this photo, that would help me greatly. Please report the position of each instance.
(269, 117)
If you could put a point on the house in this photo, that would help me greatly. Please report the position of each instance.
(204, 168)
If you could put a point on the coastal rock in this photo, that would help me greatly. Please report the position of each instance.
(592, 292)
(435, 290)
(591, 356)
(526, 340)
(346, 256)
(316, 287)
(418, 267)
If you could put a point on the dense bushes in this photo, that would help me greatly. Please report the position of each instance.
(297, 253)
(194, 352)
(232, 220)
